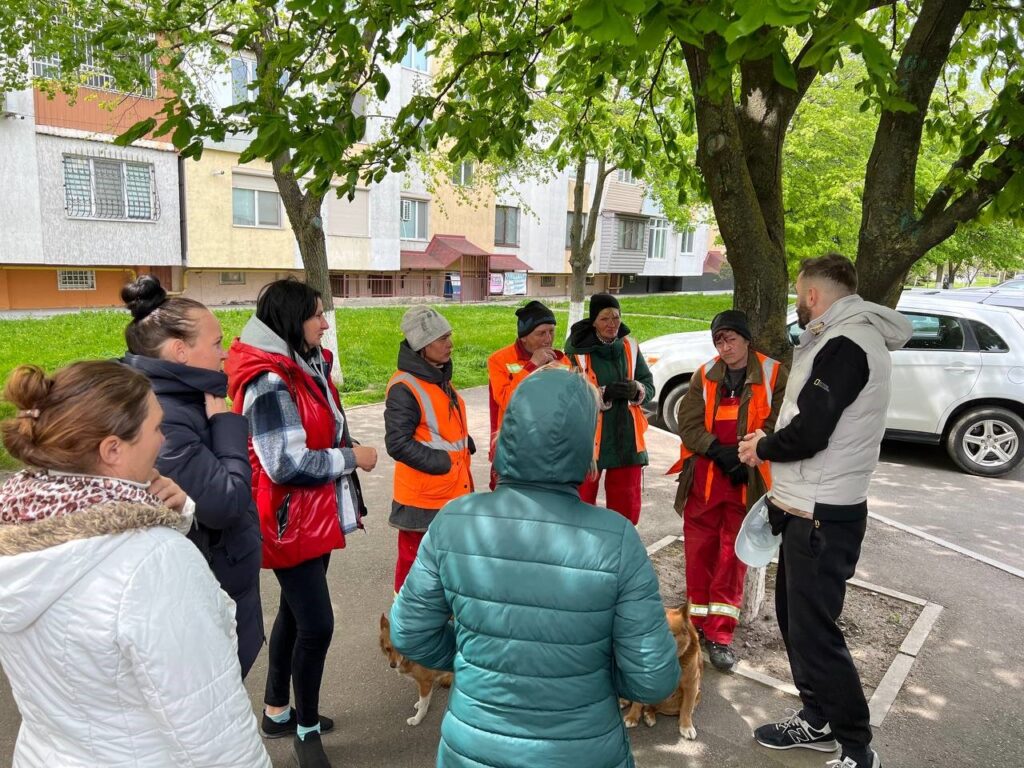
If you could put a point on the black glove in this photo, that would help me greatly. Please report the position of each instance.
(620, 390)
(725, 456)
(739, 475)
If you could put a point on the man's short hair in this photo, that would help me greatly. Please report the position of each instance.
(833, 267)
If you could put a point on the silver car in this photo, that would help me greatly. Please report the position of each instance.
(958, 382)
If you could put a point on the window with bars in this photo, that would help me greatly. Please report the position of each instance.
(255, 208)
(92, 72)
(506, 225)
(631, 234)
(232, 278)
(76, 280)
(656, 242)
(414, 219)
(547, 281)
(103, 188)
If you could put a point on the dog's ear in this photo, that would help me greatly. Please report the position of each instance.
(384, 623)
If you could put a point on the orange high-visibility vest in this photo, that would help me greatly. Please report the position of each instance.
(506, 371)
(441, 427)
(639, 417)
(758, 410)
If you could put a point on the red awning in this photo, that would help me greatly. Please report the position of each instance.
(506, 262)
(713, 262)
(442, 251)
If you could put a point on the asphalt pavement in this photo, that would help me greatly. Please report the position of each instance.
(961, 705)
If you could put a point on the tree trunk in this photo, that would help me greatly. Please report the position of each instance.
(938, 274)
(753, 596)
(581, 243)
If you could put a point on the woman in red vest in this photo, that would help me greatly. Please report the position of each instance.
(306, 490)
(733, 394)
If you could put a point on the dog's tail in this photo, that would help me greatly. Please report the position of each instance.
(445, 679)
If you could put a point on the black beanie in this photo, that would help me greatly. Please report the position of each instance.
(600, 301)
(531, 315)
(731, 320)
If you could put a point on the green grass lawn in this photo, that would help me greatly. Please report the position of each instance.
(368, 339)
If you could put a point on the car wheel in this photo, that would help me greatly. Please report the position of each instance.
(669, 404)
(987, 441)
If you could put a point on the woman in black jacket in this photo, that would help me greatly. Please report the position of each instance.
(177, 343)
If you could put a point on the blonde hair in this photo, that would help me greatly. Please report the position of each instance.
(63, 418)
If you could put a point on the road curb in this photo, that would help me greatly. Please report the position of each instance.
(895, 676)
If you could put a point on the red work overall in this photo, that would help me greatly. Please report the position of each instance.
(711, 519)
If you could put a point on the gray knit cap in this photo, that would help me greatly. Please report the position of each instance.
(422, 325)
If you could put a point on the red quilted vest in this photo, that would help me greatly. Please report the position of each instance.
(297, 522)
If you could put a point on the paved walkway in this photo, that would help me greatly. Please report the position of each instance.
(962, 705)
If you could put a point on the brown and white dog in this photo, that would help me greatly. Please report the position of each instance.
(684, 700)
(425, 678)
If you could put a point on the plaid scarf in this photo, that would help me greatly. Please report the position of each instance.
(37, 494)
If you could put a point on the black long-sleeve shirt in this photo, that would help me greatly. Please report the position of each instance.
(838, 374)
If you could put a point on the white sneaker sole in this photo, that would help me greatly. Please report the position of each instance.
(817, 746)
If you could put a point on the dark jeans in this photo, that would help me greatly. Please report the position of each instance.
(300, 638)
(816, 559)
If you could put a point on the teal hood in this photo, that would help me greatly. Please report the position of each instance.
(547, 435)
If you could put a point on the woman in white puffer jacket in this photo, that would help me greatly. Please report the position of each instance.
(118, 643)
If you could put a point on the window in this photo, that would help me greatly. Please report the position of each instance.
(416, 59)
(547, 281)
(232, 278)
(506, 225)
(382, 286)
(243, 75)
(92, 74)
(100, 188)
(255, 208)
(631, 235)
(589, 280)
(76, 280)
(686, 242)
(340, 285)
(656, 243)
(568, 228)
(414, 219)
(625, 176)
(935, 332)
(462, 174)
(988, 340)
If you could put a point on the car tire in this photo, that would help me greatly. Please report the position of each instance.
(669, 405)
(976, 436)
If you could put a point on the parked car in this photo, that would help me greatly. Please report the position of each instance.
(1003, 295)
(958, 382)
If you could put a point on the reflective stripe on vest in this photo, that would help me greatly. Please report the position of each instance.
(429, 415)
(757, 412)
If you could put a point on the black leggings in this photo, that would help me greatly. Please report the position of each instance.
(300, 638)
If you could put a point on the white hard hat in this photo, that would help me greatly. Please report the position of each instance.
(756, 545)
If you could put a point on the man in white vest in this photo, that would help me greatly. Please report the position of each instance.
(823, 453)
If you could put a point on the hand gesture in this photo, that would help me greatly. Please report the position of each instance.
(366, 458)
(214, 405)
(748, 448)
(543, 356)
(167, 491)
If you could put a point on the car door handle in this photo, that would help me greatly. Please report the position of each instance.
(959, 368)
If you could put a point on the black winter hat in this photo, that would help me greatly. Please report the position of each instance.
(531, 315)
(600, 301)
(731, 320)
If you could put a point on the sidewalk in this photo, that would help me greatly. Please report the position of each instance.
(962, 704)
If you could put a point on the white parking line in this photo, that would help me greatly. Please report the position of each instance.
(948, 545)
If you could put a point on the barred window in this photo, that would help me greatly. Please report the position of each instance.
(105, 188)
(76, 280)
(48, 66)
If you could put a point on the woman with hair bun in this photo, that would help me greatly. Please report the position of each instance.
(116, 639)
(177, 343)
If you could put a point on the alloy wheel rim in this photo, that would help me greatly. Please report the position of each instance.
(991, 443)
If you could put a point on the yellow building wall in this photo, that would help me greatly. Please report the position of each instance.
(450, 214)
(213, 241)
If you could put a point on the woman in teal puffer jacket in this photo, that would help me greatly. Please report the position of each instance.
(556, 605)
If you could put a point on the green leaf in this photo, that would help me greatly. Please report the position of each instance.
(136, 132)
(782, 69)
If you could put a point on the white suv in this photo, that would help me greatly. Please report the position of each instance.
(959, 381)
